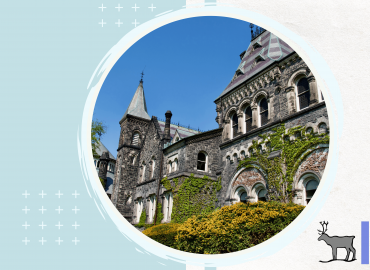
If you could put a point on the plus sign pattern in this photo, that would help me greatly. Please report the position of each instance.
(138, 9)
(44, 226)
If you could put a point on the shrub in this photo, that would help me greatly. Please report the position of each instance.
(160, 215)
(163, 233)
(102, 182)
(142, 219)
(235, 227)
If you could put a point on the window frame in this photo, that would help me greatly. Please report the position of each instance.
(298, 106)
(205, 162)
(260, 113)
(249, 119)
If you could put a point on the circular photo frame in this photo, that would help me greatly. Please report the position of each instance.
(326, 82)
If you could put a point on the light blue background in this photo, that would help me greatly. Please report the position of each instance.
(49, 51)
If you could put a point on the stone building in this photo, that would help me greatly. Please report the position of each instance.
(105, 164)
(271, 86)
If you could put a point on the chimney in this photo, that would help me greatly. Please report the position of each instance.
(167, 126)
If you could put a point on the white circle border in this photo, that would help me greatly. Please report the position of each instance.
(326, 81)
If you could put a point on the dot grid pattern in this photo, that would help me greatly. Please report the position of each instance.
(136, 8)
(42, 225)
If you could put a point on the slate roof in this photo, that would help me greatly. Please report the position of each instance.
(101, 148)
(137, 105)
(182, 131)
(268, 48)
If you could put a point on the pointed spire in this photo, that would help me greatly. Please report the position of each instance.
(137, 105)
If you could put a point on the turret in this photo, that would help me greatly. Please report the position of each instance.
(103, 167)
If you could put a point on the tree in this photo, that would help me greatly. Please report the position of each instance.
(98, 129)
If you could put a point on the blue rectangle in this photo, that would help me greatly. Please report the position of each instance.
(365, 242)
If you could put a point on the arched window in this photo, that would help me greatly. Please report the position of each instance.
(234, 124)
(174, 165)
(235, 158)
(142, 172)
(168, 206)
(242, 154)
(303, 91)
(152, 203)
(202, 162)
(135, 138)
(248, 119)
(169, 167)
(311, 187)
(263, 111)
(262, 195)
(322, 128)
(152, 167)
(139, 208)
(243, 197)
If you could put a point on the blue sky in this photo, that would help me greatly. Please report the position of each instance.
(187, 63)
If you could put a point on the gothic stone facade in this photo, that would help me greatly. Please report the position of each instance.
(272, 85)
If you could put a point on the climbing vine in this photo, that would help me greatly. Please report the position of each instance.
(192, 196)
(279, 171)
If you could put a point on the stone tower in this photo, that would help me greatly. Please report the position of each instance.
(134, 125)
(104, 159)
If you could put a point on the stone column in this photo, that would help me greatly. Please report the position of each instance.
(291, 98)
(251, 199)
(241, 123)
(314, 93)
(254, 116)
(227, 130)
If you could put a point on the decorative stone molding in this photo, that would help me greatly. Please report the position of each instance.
(289, 89)
(311, 79)
(259, 93)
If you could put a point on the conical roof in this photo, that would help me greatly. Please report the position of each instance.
(263, 51)
(137, 105)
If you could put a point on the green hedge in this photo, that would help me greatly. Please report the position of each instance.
(235, 227)
(163, 233)
(229, 229)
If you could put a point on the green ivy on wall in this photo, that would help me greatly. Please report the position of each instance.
(192, 196)
(279, 171)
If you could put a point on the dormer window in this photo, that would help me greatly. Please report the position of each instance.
(240, 69)
(257, 44)
(260, 56)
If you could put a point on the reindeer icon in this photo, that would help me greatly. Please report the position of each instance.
(337, 242)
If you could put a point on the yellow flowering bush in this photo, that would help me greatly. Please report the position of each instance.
(235, 227)
(163, 233)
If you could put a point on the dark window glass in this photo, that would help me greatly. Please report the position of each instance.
(243, 197)
(235, 125)
(248, 119)
(264, 112)
(262, 195)
(201, 165)
(310, 189)
(303, 93)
